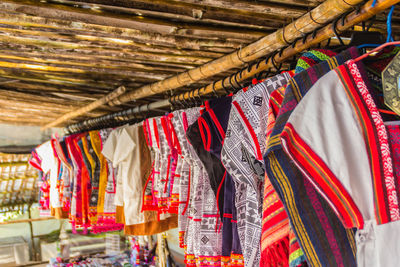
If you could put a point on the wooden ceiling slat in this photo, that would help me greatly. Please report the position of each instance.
(30, 45)
(88, 43)
(71, 67)
(125, 21)
(304, 3)
(84, 41)
(186, 14)
(71, 27)
(212, 9)
(111, 61)
(51, 79)
(220, 11)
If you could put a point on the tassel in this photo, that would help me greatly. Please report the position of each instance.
(277, 254)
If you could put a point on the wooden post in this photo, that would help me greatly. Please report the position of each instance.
(32, 237)
(119, 91)
(322, 14)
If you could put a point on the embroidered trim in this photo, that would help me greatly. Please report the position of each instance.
(203, 124)
(383, 142)
(250, 129)
(321, 177)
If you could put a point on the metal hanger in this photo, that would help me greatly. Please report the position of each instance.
(236, 81)
(223, 86)
(213, 88)
(235, 89)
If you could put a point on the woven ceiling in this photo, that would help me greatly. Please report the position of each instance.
(56, 55)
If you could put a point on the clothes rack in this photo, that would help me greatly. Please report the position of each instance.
(321, 15)
(340, 24)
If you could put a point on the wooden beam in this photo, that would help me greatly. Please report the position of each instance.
(275, 11)
(306, 3)
(69, 27)
(34, 45)
(93, 66)
(90, 107)
(28, 220)
(112, 61)
(175, 11)
(87, 42)
(82, 72)
(125, 21)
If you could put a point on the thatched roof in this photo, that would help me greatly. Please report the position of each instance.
(58, 55)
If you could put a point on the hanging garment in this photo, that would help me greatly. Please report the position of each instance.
(322, 238)
(206, 137)
(149, 198)
(122, 155)
(176, 165)
(85, 180)
(248, 110)
(158, 188)
(161, 165)
(109, 209)
(278, 242)
(66, 176)
(96, 144)
(275, 220)
(130, 153)
(180, 123)
(50, 165)
(67, 180)
(212, 126)
(354, 170)
(108, 152)
(204, 237)
(189, 211)
(90, 166)
(76, 216)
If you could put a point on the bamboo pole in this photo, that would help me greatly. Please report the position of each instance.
(322, 14)
(366, 12)
(117, 92)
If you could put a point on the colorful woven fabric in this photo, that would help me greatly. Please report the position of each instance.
(103, 177)
(310, 58)
(85, 183)
(206, 139)
(349, 159)
(90, 165)
(277, 244)
(244, 139)
(323, 239)
(276, 229)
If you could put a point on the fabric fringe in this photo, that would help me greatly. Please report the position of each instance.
(277, 254)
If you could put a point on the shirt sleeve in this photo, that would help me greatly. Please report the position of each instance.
(125, 144)
(327, 145)
(110, 146)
